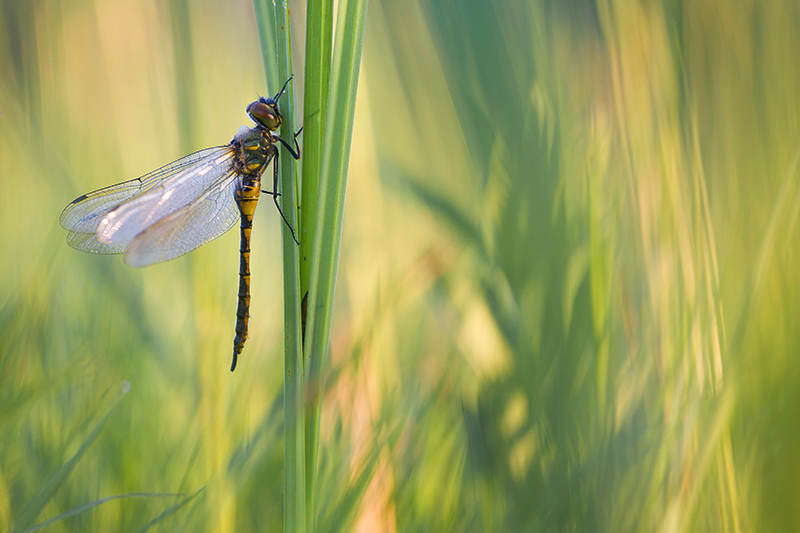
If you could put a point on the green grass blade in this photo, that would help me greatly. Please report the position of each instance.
(341, 505)
(46, 492)
(265, 20)
(172, 509)
(186, 88)
(96, 503)
(319, 41)
(294, 475)
(319, 30)
(351, 21)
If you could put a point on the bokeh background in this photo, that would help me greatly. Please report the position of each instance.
(567, 297)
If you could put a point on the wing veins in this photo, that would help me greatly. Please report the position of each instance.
(167, 238)
(87, 210)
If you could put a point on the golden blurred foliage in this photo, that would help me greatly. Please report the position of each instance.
(566, 298)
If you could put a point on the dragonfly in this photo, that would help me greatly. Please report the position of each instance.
(187, 203)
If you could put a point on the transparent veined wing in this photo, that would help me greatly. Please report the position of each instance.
(83, 216)
(123, 224)
(181, 231)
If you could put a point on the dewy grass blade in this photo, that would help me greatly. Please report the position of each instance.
(294, 418)
(339, 114)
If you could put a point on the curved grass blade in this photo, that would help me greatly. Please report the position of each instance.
(46, 492)
(169, 511)
(338, 512)
(96, 503)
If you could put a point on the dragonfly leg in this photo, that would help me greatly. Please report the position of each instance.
(294, 151)
(275, 195)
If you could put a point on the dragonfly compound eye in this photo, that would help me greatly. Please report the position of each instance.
(265, 113)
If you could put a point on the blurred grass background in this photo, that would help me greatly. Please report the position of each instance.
(567, 296)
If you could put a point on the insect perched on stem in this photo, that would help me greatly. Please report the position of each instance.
(185, 204)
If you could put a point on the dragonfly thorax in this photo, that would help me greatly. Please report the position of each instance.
(255, 148)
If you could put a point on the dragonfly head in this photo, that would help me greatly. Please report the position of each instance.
(264, 112)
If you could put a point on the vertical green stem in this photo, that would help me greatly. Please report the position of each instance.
(335, 155)
(265, 20)
(184, 81)
(294, 427)
(330, 93)
(319, 30)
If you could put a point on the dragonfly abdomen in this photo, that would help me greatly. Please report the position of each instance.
(246, 198)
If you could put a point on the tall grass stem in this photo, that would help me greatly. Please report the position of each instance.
(294, 442)
(319, 32)
(338, 121)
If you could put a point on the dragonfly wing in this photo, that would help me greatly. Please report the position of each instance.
(193, 225)
(87, 242)
(83, 215)
(208, 176)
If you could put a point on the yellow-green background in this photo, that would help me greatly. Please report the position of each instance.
(567, 298)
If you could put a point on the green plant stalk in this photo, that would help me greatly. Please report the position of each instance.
(339, 115)
(319, 32)
(186, 97)
(294, 442)
(265, 21)
(46, 492)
